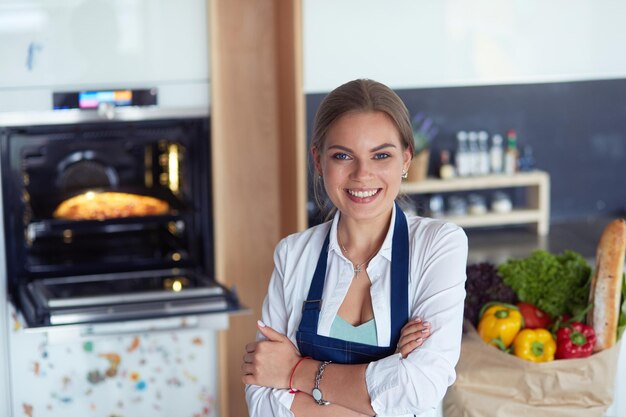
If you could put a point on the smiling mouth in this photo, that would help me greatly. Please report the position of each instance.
(363, 194)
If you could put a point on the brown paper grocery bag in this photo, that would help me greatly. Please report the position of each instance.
(493, 383)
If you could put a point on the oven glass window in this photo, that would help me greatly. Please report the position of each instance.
(121, 198)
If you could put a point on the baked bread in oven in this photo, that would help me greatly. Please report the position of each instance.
(109, 205)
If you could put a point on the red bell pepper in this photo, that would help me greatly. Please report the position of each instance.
(534, 318)
(575, 340)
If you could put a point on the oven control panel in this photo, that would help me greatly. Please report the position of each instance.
(95, 99)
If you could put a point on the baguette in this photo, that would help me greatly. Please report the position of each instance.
(606, 284)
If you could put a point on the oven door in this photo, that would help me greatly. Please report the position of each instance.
(122, 296)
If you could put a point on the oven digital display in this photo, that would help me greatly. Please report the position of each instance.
(118, 97)
(92, 99)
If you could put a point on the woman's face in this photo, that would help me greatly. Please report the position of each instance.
(362, 164)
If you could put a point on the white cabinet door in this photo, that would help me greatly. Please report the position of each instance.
(152, 373)
(102, 42)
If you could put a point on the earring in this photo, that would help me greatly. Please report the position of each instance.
(405, 174)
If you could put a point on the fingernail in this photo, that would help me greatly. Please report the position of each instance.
(418, 340)
(426, 324)
(425, 331)
(260, 323)
(418, 320)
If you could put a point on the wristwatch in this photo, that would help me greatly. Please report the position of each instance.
(317, 393)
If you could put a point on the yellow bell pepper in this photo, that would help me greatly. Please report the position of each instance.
(499, 324)
(535, 345)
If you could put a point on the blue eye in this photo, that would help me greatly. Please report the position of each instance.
(381, 155)
(341, 155)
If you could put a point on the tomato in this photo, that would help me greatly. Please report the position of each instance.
(534, 318)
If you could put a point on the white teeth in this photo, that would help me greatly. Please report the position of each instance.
(362, 194)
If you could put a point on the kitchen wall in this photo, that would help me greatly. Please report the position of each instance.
(422, 43)
(549, 70)
(577, 131)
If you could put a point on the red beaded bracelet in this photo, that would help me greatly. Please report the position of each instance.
(293, 371)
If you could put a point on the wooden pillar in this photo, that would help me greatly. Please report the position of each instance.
(259, 158)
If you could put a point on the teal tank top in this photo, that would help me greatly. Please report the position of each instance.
(364, 333)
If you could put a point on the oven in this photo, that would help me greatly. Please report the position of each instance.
(109, 260)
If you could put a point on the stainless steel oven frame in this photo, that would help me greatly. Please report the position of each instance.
(197, 292)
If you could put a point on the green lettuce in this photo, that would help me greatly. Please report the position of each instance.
(557, 284)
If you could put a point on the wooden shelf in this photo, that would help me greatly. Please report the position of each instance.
(517, 216)
(434, 185)
(537, 184)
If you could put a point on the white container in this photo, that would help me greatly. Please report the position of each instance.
(462, 154)
(496, 154)
(484, 152)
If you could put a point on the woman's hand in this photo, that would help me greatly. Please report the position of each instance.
(268, 363)
(412, 336)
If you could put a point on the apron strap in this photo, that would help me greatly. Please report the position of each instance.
(399, 276)
(313, 304)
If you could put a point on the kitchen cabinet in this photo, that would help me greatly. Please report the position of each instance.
(161, 367)
(52, 46)
(91, 43)
(536, 211)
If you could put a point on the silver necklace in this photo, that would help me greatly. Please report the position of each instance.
(358, 268)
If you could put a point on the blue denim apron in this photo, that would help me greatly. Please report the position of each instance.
(325, 348)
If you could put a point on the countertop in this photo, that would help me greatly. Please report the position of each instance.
(497, 245)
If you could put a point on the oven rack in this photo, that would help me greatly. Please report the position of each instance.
(67, 228)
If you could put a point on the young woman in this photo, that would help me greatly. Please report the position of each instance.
(363, 314)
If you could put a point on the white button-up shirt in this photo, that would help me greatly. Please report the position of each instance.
(411, 386)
